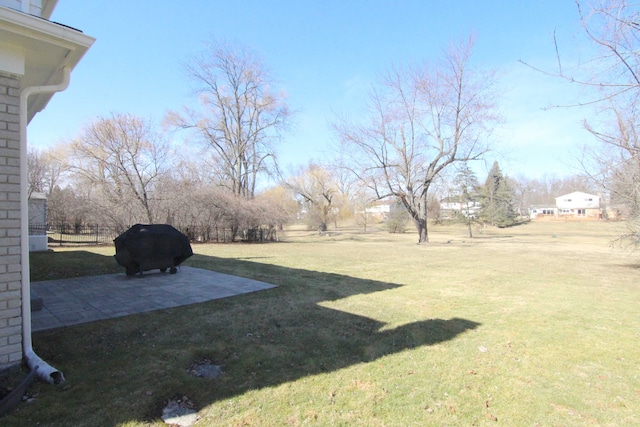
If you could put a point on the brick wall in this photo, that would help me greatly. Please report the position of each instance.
(10, 265)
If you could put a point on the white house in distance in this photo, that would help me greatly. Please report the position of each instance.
(546, 211)
(576, 205)
(450, 208)
(36, 59)
(381, 209)
(579, 204)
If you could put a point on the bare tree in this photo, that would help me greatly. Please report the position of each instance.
(421, 120)
(45, 169)
(361, 200)
(614, 26)
(202, 207)
(37, 171)
(240, 114)
(64, 206)
(613, 70)
(279, 205)
(118, 161)
(617, 162)
(613, 74)
(318, 190)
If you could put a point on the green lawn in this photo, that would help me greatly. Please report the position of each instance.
(531, 325)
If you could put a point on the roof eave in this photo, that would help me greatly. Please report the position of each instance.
(47, 47)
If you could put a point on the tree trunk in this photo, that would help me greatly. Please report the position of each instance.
(468, 218)
(421, 226)
(421, 222)
(234, 233)
(147, 210)
(419, 217)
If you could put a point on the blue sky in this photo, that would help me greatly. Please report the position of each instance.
(325, 55)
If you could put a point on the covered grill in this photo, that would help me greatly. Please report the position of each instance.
(147, 247)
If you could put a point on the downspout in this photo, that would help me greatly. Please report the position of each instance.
(44, 371)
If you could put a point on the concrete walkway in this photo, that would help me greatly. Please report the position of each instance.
(69, 302)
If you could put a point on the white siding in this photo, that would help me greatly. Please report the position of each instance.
(33, 7)
(578, 200)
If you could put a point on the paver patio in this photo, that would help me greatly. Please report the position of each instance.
(73, 301)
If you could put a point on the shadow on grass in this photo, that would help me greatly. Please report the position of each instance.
(51, 265)
(634, 266)
(124, 370)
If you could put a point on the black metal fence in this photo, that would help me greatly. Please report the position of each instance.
(66, 234)
(74, 235)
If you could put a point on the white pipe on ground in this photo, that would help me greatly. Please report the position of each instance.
(44, 371)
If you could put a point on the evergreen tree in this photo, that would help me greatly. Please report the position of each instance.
(466, 184)
(498, 199)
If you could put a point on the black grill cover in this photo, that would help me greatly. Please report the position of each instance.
(147, 247)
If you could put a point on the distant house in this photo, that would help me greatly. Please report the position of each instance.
(451, 208)
(543, 211)
(576, 205)
(382, 209)
(579, 205)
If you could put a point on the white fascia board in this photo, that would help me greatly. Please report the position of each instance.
(18, 26)
(46, 48)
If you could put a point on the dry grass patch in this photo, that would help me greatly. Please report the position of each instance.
(533, 325)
